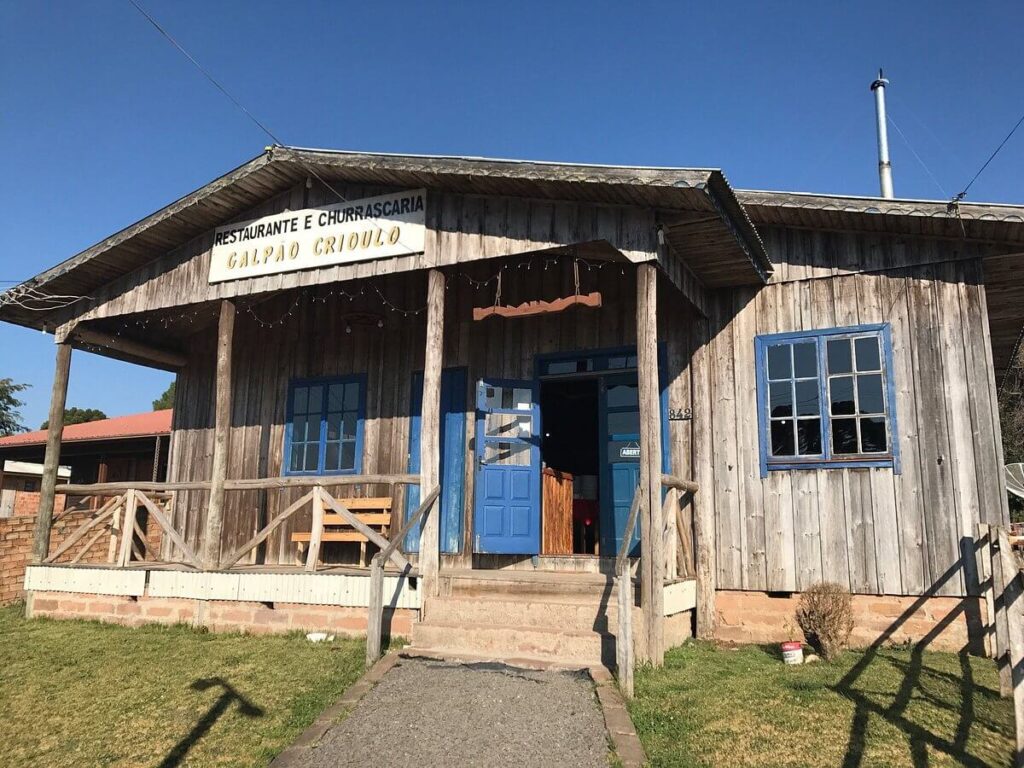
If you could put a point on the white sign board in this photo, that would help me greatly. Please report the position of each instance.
(357, 230)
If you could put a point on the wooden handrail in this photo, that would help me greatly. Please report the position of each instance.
(414, 518)
(627, 535)
(624, 598)
(255, 484)
(678, 483)
(375, 612)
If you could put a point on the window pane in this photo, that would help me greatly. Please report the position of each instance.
(312, 457)
(805, 360)
(336, 397)
(622, 395)
(348, 425)
(331, 457)
(316, 399)
(867, 354)
(782, 438)
(841, 394)
(808, 436)
(779, 363)
(807, 398)
(348, 455)
(508, 425)
(298, 454)
(511, 454)
(844, 436)
(300, 429)
(872, 435)
(869, 394)
(780, 399)
(352, 396)
(627, 423)
(840, 359)
(334, 426)
(301, 400)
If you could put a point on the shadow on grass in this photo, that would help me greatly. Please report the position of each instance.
(919, 737)
(227, 697)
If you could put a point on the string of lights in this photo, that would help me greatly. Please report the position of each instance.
(201, 314)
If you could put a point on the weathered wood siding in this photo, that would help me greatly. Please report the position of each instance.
(870, 529)
(313, 342)
(460, 228)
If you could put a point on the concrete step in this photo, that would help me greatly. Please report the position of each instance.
(501, 642)
(544, 612)
(535, 586)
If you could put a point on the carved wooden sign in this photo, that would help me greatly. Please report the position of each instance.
(528, 308)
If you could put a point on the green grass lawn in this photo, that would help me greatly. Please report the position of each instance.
(85, 694)
(714, 706)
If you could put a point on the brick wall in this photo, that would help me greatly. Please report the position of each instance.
(217, 615)
(757, 617)
(16, 548)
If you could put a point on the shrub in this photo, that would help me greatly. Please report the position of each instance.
(825, 614)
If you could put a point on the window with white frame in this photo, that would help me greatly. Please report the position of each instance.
(826, 399)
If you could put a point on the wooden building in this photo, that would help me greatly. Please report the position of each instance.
(557, 374)
(118, 449)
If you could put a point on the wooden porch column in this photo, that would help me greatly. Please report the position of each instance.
(652, 530)
(222, 429)
(51, 462)
(430, 430)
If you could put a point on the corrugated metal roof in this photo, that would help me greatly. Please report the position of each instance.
(994, 222)
(741, 251)
(149, 424)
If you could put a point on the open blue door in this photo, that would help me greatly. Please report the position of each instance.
(453, 458)
(620, 429)
(507, 509)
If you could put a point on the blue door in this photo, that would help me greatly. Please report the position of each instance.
(507, 511)
(453, 458)
(620, 430)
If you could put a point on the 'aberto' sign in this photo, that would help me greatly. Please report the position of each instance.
(358, 230)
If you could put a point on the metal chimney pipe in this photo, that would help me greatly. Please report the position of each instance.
(884, 166)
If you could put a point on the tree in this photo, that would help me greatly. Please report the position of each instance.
(1011, 418)
(78, 416)
(10, 416)
(166, 400)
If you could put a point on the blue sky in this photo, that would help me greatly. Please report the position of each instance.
(102, 122)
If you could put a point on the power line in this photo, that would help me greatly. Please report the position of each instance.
(206, 74)
(916, 156)
(961, 195)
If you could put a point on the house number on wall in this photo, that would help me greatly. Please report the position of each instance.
(679, 414)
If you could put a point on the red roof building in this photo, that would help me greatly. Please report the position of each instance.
(132, 447)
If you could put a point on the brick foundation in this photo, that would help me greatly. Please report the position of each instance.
(757, 617)
(217, 615)
(16, 535)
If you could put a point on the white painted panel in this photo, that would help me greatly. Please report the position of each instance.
(96, 581)
(305, 588)
(680, 596)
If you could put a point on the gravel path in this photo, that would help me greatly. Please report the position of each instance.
(431, 713)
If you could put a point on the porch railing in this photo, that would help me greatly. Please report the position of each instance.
(117, 517)
(681, 562)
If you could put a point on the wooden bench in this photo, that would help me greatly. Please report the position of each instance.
(372, 512)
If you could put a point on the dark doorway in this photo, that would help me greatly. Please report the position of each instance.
(571, 466)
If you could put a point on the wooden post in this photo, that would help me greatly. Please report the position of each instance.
(51, 462)
(705, 559)
(430, 428)
(131, 505)
(1009, 585)
(375, 619)
(624, 660)
(652, 529)
(222, 429)
(316, 531)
